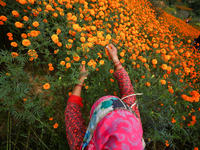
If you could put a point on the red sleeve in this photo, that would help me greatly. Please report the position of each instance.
(74, 122)
(126, 88)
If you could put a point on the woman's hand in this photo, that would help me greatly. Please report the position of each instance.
(112, 52)
(83, 73)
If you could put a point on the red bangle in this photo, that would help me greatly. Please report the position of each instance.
(80, 85)
(118, 65)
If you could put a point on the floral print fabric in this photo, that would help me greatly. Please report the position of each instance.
(120, 129)
(105, 107)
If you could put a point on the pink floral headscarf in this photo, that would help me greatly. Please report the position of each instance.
(120, 129)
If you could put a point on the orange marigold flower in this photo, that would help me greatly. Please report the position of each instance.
(181, 80)
(111, 80)
(51, 68)
(76, 58)
(51, 118)
(14, 54)
(15, 13)
(23, 35)
(62, 63)
(54, 38)
(10, 38)
(111, 71)
(101, 62)
(34, 33)
(48, 7)
(155, 45)
(171, 90)
(67, 59)
(55, 126)
(148, 84)
(196, 148)
(154, 62)
(14, 44)
(19, 24)
(162, 82)
(70, 40)
(193, 118)
(164, 67)
(45, 20)
(26, 42)
(35, 24)
(50, 64)
(9, 34)
(173, 120)
(83, 62)
(68, 65)
(166, 143)
(82, 39)
(22, 2)
(3, 18)
(46, 86)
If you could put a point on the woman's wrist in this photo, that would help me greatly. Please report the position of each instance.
(118, 65)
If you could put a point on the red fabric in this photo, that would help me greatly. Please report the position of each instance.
(75, 99)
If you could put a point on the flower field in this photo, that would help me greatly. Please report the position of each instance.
(43, 43)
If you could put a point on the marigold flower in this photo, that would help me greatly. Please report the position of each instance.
(9, 34)
(76, 58)
(26, 42)
(173, 120)
(23, 35)
(19, 24)
(101, 62)
(15, 13)
(82, 39)
(68, 65)
(3, 18)
(22, 2)
(154, 62)
(45, 20)
(35, 24)
(51, 68)
(62, 63)
(148, 84)
(70, 40)
(46, 86)
(54, 38)
(111, 80)
(111, 71)
(164, 67)
(55, 126)
(83, 62)
(51, 118)
(34, 33)
(166, 143)
(14, 44)
(171, 91)
(14, 54)
(162, 82)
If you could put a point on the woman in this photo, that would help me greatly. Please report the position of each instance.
(114, 123)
